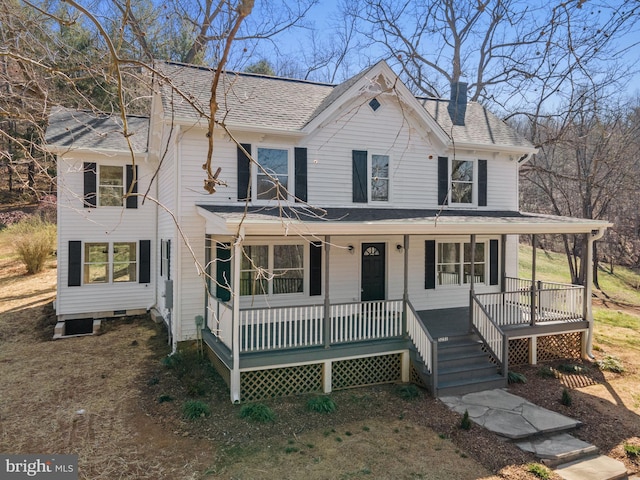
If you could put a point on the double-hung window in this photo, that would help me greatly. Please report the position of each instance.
(105, 263)
(272, 174)
(272, 269)
(379, 178)
(110, 185)
(462, 179)
(454, 263)
(370, 177)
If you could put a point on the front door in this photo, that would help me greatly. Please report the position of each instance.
(373, 272)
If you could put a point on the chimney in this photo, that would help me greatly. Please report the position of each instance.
(458, 104)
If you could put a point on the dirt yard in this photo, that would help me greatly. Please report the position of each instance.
(111, 400)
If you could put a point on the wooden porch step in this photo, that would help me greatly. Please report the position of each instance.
(470, 385)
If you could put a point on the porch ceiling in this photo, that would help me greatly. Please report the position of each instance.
(286, 220)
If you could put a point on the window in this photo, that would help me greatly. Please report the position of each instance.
(370, 177)
(104, 264)
(461, 181)
(272, 174)
(276, 269)
(379, 178)
(165, 258)
(454, 263)
(110, 186)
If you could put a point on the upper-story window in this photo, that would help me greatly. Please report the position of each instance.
(462, 182)
(370, 177)
(379, 178)
(272, 174)
(110, 186)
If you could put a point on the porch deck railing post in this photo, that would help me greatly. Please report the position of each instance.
(327, 300)
(405, 293)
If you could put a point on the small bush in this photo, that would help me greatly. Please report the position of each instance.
(539, 471)
(322, 404)
(257, 412)
(34, 241)
(547, 372)
(408, 392)
(632, 450)
(515, 377)
(193, 409)
(611, 364)
(465, 423)
(566, 399)
(571, 368)
(165, 398)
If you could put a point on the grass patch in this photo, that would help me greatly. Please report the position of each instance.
(321, 404)
(616, 318)
(193, 409)
(257, 412)
(539, 470)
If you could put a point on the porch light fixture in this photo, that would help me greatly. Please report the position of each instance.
(399, 248)
(351, 249)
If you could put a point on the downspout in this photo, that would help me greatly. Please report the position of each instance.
(588, 288)
(235, 338)
(175, 319)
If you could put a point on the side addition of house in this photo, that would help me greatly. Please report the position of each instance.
(362, 235)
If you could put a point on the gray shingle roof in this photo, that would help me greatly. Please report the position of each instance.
(80, 129)
(481, 126)
(243, 99)
(272, 102)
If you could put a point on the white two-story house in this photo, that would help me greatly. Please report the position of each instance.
(360, 234)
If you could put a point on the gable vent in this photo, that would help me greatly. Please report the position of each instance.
(374, 104)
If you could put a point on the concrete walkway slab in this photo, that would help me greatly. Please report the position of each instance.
(595, 468)
(508, 415)
(557, 448)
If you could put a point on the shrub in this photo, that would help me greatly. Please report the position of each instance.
(539, 471)
(322, 404)
(34, 241)
(566, 399)
(546, 372)
(257, 412)
(165, 398)
(465, 423)
(632, 450)
(571, 368)
(193, 409)
(611, 364)
(12, 217)
(515, 377)
(408, 392)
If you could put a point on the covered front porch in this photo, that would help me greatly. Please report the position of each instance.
(398, 333)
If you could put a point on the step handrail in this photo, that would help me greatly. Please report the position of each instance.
(424, 344)
(492, 336)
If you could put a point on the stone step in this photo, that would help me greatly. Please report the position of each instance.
(599, 467)
(558, 448)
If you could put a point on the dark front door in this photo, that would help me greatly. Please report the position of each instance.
(373, 272)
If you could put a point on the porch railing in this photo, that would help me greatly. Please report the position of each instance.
(281, 327)
(426, 346)
(360, 321)
(547, 302)
(490, 333)
(220, 321)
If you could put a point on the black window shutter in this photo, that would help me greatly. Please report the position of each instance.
(301, 174)
(75, 264)
(244, 173)
(315, 269)
(443, 180)
(168, 259)
(132, 201)
(494, 258)
(145, 262)
(223, 272)
(429, 264)
(482, 183)
(359, 176)
(90, 179)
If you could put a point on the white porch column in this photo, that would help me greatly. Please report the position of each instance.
(588, 289)
(235, 350)
(327, 300)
